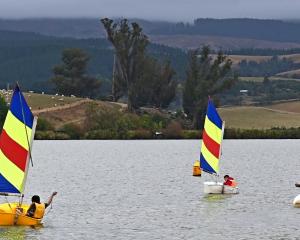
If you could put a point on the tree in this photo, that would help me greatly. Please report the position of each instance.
(3, 110)
(130, 43)
(71, 77)
(165, 86)
(155, 85)
(142, 78)
(206, 76)
(118, 83)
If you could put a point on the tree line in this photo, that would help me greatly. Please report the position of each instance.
(266, 68)
(262, 29)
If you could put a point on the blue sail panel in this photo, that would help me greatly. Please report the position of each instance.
(6, 186)
(20, 108)
(213, 115)
(205, 166)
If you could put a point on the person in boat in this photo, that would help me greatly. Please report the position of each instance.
(229, 181)
(37, 209)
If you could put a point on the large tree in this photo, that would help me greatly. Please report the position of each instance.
(143, 79)
(130, 44)
(156, 85)
(71, 77)
(206, 76)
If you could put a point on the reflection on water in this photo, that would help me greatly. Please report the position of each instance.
(216, 197)
(144, 190)
(12, 233)
(19, 232)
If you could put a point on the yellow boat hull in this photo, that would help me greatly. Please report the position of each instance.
(8, 216)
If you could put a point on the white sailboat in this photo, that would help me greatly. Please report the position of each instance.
(296, 201)
(211, 151)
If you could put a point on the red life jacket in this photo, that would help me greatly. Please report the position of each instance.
(230, 182)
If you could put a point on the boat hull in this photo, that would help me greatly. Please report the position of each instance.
(8, 215)
(296, 201)
(219, 188)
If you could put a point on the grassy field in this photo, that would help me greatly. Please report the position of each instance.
(294, 57)
(72, 113)
(293, 107)
(236, 59)
(252, 79)
(286, 114)
(289, 74)
(273, 78)
(40, 101)
(260, 117)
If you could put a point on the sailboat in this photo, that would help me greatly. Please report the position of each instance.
(210, 155)
(15, 154)
(296, 201)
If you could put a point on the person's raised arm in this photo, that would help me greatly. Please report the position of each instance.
(51, 198)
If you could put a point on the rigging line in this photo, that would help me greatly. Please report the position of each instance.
(23, 114)
(8, 203)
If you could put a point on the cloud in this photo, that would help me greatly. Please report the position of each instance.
(175, 10)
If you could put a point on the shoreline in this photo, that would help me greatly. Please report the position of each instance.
(273, 133)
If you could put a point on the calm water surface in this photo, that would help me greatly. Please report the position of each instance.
(144, 190)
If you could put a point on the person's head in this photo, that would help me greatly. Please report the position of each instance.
(226, 177)
(35, 199)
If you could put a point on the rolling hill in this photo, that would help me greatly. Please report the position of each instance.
(72, 110)
(29, 58)
(250, 117)
(218, 42)
(219, 33)
(60, 110)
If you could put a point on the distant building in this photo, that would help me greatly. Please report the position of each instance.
(243, 91)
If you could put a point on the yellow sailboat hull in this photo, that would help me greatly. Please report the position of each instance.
(8, 216)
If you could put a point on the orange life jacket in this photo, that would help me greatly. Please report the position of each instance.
(233, 183)
(39, 210)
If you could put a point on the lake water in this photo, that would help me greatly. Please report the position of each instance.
(145, 190)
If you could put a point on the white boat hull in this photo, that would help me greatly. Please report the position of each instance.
(296, 201)
(219, 188)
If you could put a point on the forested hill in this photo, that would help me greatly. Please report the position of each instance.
(271, 30)
(30, 57)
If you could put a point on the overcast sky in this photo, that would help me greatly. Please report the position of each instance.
(173, 10)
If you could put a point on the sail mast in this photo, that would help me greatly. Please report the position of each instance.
(221, 144)
(29, 153)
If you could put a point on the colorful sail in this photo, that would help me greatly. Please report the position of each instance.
(15, 140)
(211, 140)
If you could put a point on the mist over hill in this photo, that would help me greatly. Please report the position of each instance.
(219, 33)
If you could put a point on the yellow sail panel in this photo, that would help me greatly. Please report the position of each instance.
(11, 172)
(16, 130)
(214, 132)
